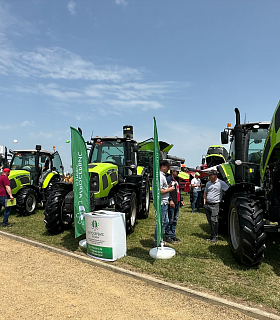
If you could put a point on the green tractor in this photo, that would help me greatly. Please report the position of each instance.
(116, 181)
(32, 176)
(216, 155)
(251, 206)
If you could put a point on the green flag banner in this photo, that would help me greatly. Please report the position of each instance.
(156, 185)
(80, 181)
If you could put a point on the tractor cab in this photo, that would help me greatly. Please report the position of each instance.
(245, 153)
(36, 162)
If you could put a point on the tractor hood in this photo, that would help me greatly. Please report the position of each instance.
(101, 167)
(18, 173)
(18, 179)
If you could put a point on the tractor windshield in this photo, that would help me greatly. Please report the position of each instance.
(256, 140)
(24, 161)
(108, 151)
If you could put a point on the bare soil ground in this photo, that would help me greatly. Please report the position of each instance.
(38, 284)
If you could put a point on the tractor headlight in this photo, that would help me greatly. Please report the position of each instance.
(94, 182)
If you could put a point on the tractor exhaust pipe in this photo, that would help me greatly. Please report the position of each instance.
(239, 176)
(237, 113)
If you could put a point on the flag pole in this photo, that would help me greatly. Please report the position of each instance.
(159, 252)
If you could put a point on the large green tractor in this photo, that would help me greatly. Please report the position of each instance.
(116, 181)
(32, 176)
(251, 206)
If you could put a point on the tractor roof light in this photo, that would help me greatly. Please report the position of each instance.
(229, 125)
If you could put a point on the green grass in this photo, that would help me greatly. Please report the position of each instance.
(197, 264)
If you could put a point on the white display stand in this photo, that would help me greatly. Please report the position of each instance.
(162, 252)
(105, 235)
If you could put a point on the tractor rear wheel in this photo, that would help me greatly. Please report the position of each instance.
(246, 230)
(144, 213)
(57, 219)
(26, 201)
(126, 201)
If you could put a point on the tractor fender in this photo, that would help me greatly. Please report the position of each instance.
(241, 187)
(67, 186)
(46, 178)
(36, 189)
(127, 185)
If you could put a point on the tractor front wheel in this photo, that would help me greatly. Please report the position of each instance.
(246, 230)
(26, 201)
(57, 218)
(126, 201)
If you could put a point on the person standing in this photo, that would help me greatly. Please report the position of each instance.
(5, 193)
(196, 187)
(164, 190)
(212, 197)
(175, 201)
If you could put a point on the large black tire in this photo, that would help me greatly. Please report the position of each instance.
(56, 178)
(246, 230)
(57, 219)
(126, 201)
(144, 213)
(48, 190)
(26, 201)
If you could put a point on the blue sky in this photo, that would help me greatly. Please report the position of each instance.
(102, 64)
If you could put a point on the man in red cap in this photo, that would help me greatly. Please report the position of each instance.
(5, 193)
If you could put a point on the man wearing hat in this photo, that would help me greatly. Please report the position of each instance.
(175, 201)
(196, 187)
(5, 193)
(213, 194)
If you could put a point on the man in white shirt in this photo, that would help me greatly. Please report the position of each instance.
(196, 187)
(164, 190)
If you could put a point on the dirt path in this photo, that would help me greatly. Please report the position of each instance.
(38, 284)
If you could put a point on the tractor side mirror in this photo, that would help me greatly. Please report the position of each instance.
(224, 137)
(43, 158)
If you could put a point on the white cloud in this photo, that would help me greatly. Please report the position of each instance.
(121, 2)
(5, 127)
(37, 135)
(58, 63)
(132, 104)
(56, 91)
(71, 7)
(27, 123)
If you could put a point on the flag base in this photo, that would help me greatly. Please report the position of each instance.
(162, 252)
(83, 243)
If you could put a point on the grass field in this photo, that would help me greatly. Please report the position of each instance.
(197, 264)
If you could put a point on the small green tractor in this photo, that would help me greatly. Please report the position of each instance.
(116, 181)
(251, 205)
(32, 176)
(216, 155)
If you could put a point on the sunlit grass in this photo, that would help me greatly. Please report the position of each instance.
(197, 264)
